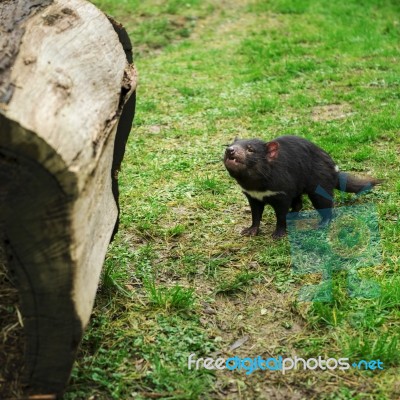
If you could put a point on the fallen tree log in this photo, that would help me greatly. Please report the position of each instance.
(67, 101)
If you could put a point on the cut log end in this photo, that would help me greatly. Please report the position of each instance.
(65, 117)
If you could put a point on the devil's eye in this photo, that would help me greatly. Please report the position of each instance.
(250, 149)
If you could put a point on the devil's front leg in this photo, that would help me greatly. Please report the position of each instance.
(257, 209)
(281, 207)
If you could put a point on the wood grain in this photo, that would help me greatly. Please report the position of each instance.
(63, 131)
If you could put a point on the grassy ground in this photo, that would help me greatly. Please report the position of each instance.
(179, 278)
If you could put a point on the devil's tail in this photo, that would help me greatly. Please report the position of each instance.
(354, 184)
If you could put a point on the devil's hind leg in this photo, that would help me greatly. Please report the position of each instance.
(323, 203)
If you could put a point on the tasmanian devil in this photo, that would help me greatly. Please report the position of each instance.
(281, 171)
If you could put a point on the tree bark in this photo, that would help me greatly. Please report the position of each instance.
(67, 101)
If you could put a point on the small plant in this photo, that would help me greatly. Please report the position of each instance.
(114, 276)
(176, 297)
(383, 346)
(176, 231)
(240, 281)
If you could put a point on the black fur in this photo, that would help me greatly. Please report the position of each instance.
(290, 166)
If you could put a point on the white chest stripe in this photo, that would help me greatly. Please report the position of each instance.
(260, 195)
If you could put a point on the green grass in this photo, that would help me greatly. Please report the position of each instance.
(179, 278)
(177, 298)
(240, 281)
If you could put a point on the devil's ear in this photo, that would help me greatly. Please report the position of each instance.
(272, 150)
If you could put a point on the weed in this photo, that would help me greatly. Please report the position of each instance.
(239, 282)
(175, 298)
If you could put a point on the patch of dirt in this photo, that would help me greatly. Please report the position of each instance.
(331, 112)
(155, 129)
(230, 23)
(258, 323)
